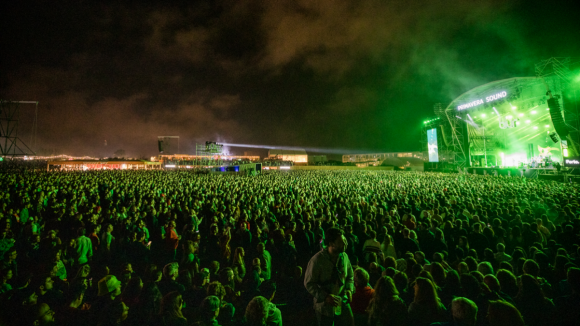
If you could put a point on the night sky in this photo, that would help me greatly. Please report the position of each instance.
(352, 76)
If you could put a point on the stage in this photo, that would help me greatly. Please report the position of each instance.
(513, 172)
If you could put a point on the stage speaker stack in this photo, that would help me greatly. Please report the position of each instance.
(556, 114)
(554, 137)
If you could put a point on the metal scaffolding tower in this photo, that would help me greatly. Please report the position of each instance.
(557, 76)
(10, 144)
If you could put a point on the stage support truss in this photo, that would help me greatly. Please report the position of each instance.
(10, 144)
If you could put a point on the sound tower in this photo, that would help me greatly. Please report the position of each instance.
(554, 137)
(556, 114)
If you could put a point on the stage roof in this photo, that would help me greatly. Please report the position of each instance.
(510, 115)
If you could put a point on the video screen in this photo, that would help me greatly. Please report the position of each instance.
(432, 143)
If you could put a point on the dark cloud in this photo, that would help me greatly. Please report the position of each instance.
(336, 74)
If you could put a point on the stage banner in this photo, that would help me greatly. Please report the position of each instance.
(572, 162)
(432, 144)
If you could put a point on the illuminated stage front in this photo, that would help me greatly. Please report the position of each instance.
(508, 123)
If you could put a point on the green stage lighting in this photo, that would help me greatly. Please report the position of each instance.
(521, 114)
(547, 126)
(534, 112)
(536, 127)
(528, 121)
(483, 115)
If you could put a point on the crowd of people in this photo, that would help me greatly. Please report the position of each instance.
(304, 248)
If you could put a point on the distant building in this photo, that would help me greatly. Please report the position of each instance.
(400, 159)
(313, 159)
(296, 156)
(251, 153)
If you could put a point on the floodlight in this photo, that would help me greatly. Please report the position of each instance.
(547, 126)
(528, 121)
(483, 115)
(536, 127)
(521, 114)
(534, 112)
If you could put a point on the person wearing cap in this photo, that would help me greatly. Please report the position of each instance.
(209, 311)
(109, 292)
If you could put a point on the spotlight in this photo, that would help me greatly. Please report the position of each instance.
(509, 117)
(521, 114)
(534, 112)
(483, 115)
(536, 127)
(528, 121)
(547, 126)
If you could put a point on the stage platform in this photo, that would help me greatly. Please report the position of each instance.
(514, 172)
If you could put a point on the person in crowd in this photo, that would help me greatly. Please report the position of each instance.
(363, 294)
(42, 314)
(387, 247)
(329, 279)
(265, 260)
(114, 314)
(169, 282)
(426, 307)
(463, 311)
(170, 313)
(386, 307)
(257, 312)
(209, 311)
(227, 310)
(501, 255)
(109, 292)
(535, 307)
(84, 247)
(501, 313)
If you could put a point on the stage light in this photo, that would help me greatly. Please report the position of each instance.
(509, 117)
(536, 127)
(528, 121)
(514, 107)
(495, 110)
(547, 126)
(548, 109)
(534, 112)
(521, 114)
(483, 115)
